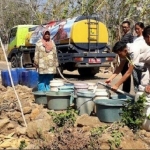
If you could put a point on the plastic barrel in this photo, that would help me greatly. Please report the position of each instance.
(19, 71)
(24, 78)
(6, 79)
(33, 78)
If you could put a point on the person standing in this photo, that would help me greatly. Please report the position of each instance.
(45, 61)
(138, 39)
(126, 38)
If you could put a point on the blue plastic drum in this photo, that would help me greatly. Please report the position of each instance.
(6, 79)
(33, 78)
(19, 71)
(24, 77)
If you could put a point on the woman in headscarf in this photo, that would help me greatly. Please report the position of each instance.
(45, 61)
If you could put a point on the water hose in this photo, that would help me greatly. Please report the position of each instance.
(63, 76)
(12, 83)
(117, 91)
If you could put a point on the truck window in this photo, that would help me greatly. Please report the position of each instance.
(32, 29)
(12, 34)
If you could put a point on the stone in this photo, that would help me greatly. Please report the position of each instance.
(15, 115)
(3, 122)
(10, 126)
(21, 130)
(147, 134)
(86, 120)
(104, 146)
(37, 127)
(35, 112)
(27, 110)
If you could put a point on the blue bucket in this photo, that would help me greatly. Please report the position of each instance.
(19, 71)
(109, 110)
(6, 79)
(33, 78)
(24, 78)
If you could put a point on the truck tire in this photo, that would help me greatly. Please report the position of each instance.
(14, 61)
(88, 72)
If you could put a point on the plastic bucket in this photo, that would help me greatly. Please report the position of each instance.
(120, 96)
(6, 79)
(146, 122)
(58, 100)
(32, 78)
(84, 102)
(80, 87)
(40, 97)
(109, 110)
(70, 90)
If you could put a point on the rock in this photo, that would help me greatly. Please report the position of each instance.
(27, 110)
(35, 112)
(147, 134)
(142, 132)
(10, 126)
(86, 120)
(48, 136)
(104, 146)
(21, 130)
(15, 115)
(37, 127)
(3, 122)
(43, 115)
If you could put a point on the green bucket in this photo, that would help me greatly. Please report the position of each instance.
(40, 97)
(109, 110)
(58, 100)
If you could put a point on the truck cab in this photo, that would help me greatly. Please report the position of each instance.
(17, 40)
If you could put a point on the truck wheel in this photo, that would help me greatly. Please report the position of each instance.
(88, 71)
(14, 62)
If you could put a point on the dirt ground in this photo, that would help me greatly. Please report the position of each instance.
(82, 132)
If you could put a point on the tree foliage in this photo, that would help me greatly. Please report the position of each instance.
(111, 12)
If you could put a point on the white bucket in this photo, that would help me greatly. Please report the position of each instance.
(80, 87)
(92, 86)
(55, 84)
(101, 94)
(146, 123)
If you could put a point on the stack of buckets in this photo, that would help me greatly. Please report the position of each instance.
(20, 76)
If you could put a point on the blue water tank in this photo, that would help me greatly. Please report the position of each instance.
(33, 78)
(6, 79)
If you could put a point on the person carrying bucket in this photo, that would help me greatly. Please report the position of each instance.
(45, 61)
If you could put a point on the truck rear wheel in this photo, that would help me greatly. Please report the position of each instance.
(14, 61)
(88, 71)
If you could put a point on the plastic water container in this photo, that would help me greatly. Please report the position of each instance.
(80, 87)
(24, 77)
(19, 71)
(109, 110)
(6, 79)
(84, 102)
(32, 78)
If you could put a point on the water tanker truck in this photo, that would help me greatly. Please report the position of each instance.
(81, 44)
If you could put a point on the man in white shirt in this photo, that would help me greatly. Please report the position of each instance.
(146, 56)
(128, 52)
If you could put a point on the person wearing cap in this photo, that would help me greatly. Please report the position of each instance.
(45, 61)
